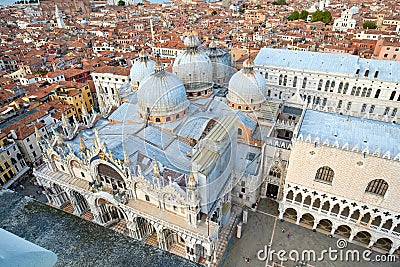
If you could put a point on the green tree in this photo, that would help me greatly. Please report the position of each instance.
(369, 25)
(294, 16)
(303, 15)
(316, 16)
(326, 17)
(121, 2)
(213, 13)
(279, 2)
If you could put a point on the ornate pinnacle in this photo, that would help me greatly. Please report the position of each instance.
(64, 120)
(192, 181)
(127, 161)
(82, 145)
(156, 169)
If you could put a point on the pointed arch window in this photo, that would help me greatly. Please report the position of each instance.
(275, 172)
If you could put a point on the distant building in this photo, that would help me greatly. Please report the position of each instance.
(343, 84)
(346, 20)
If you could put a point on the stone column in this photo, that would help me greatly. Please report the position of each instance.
(333, 230)
(371, 243)
(370, 221)
(161, 240)
(239, 230)
(392, 250)
(245, 215)
(298, 219)
(315, 225)
(351, 237)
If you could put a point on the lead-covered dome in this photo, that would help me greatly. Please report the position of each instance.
(162, 96)
(194, 68)
(247, 88)
(141, 68)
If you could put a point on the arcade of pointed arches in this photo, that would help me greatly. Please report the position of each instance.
(322, 212)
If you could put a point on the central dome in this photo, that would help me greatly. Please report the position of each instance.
(194, 68)
(247, 88)
(162, 96)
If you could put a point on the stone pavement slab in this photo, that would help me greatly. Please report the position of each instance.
(257, 234)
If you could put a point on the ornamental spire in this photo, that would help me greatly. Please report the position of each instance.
(156, 169)
(127, 161)
(82, 145)
(192, 181)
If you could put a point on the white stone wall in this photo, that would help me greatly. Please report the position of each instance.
(350, 180)
(332, 97)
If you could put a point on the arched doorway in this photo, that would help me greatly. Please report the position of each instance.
(307, 220)
(343, 230)
(110, 177)
(201, 253)
(290, 214)
(325, 225)
(79, 203)
(60, 198)
(111, 216)
(384, 244)
(174, 243)
(145, 231)
(363, 237)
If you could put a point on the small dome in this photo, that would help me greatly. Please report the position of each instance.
(247, 86)
(141, 67)
(191, 41)
(162, 93)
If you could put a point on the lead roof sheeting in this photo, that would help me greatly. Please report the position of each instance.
(379, 135)
(324, 62)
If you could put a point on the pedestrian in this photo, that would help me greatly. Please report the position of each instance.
(283, 230)
(288, 234)
(247, 259)
(370, 248)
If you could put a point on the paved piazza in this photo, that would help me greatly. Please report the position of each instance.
(262, 228)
